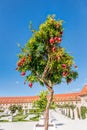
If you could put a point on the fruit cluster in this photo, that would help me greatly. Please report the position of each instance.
(55, 40)
(20, 63)
(65, 73)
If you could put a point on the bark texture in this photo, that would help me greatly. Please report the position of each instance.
(46, 116)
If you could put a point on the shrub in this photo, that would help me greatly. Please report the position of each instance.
(19, 118)
(83, 112)
(1, 110)
(3, 121)
(36, 118)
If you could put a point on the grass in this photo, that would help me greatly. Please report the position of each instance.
(4, 116)
(36, 118)
(19, 118)
(3, 120)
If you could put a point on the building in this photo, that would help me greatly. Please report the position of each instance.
(78, 98)
(25, 101)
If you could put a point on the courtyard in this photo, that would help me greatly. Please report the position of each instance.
(61, 123)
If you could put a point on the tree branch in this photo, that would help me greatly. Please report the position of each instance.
(48, 84)
(38, 77)
(46, 69)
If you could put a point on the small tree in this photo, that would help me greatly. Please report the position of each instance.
(83, 112)
(69, 114)
(13, 108)
(19, 108)
(40, 104)
(43, 59)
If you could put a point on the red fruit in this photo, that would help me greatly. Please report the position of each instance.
(64, 74)
(69, 80)
(75, 66)
(61, 33)
(23, 59)
(23, 73)
(19, 64)
(64, 66)
(51, 41)
(55, 39)
(59, 39)
(53, 49)
(17, 68)
(30, 85)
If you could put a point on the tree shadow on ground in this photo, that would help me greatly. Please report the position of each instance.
(60, 124)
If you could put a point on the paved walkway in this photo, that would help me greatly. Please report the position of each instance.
(17, 126)
(65, 123)
(62, 123)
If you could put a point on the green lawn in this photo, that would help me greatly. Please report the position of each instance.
(19, 117)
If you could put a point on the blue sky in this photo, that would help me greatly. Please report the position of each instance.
(15, 16)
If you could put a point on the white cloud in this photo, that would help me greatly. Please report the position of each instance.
(77, 89)
(17, 82)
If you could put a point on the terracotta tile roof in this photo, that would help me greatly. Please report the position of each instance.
(67, 97)
(83, 91)
(57, 97)
(15, 100)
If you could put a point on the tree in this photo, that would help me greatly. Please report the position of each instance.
(40, 104)
(13, 108)
(19, 108)
(83, 112)
(43, 60)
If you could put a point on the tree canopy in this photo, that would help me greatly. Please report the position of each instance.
(42, 57)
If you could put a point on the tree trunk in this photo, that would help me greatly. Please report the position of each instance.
(46, 116)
